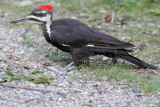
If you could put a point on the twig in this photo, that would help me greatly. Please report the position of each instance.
(156, 72)
(110, 29)
(153, 25)
(26, 88)
(112, 17)
(10, 101)
(3, 60)
(82, 4)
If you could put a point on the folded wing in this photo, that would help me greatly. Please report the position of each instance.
(66, 33)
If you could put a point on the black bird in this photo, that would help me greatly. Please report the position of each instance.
(78, 39)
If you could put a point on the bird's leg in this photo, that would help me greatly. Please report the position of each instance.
(67, 59)
(57, 51)
(82, 61)
(69, 66)
(114, 61)
(86, 61)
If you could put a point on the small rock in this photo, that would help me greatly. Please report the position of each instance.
(61, 85)
(155, 32)
(84, 93)
(103, 11)
(73, 17)
(7, 49)
(60, 99)
(105, 58)
(19, 39)
(126, 39)
(72, 98)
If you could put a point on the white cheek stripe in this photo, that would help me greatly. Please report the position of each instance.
(46, 19)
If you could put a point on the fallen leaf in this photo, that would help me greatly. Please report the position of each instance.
(7, 76)
(10, 74)
(43, 79)
(86, 104)
(107, 18)
(36, 71)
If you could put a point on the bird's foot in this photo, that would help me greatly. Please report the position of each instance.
(114, 61)
(67, 59)
(69, 67)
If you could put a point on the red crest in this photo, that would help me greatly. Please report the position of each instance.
(46, 7)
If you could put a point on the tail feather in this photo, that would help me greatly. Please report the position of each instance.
(124, 54)
(137, 61)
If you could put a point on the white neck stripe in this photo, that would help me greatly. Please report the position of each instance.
(48, 24)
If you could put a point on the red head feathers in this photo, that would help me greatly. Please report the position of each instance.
(46, 7)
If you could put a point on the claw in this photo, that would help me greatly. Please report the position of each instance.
(114, 61)
(69, 67)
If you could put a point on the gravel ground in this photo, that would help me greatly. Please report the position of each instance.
(66, 91)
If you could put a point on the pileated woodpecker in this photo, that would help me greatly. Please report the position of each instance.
(78, 39)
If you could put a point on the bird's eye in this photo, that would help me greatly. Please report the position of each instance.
(35, 14)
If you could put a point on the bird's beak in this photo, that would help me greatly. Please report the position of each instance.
(19, 20)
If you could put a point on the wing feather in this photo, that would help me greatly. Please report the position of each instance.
(76, 34)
